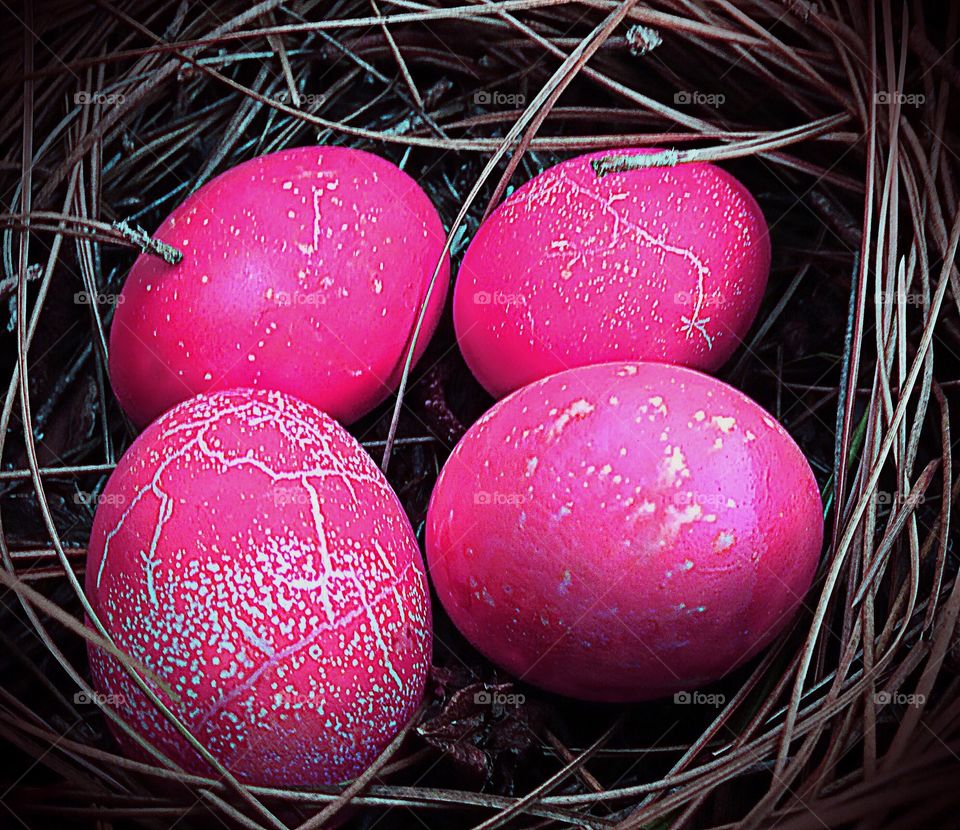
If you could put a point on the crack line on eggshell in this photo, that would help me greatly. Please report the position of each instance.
(317, 214)
(367, 609)
(151, 486)
(317, 218)
(253, 639)
(150, 562)
(333, 457)
(396, 580)
(280, 475)
(324, 550)
(275, 658)
(279, 416)
(570, 189)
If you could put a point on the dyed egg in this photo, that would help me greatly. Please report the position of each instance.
(623, 531)
(250, 554)
(665, 263)
(302, 270)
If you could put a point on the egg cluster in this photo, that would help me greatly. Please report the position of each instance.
(619, 527)
(637, 529)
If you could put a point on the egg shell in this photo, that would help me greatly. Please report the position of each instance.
(249, 553)
(664, 263)
(303, 270)
(623, 531)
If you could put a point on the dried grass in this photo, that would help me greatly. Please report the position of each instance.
(839, 116)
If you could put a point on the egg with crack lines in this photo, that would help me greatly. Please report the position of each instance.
(664, 263)
(249, 555)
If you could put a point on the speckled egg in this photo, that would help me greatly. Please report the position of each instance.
(623, 531)
(250, 554)
(667, 264)
(302, 270)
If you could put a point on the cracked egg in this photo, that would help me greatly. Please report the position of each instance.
(250, 555)
(665, 264)
(303, 270)
(624, 531)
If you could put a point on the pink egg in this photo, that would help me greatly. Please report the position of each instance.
(249, 553)
(623, 531)
(302, 270)
(666, 264)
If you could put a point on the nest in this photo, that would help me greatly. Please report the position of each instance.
(838, 117)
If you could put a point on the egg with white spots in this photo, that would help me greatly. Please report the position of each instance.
(303, 270)
(251, 556)
(624, 531)
(664, 264)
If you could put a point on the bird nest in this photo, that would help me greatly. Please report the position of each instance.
(838, 117)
